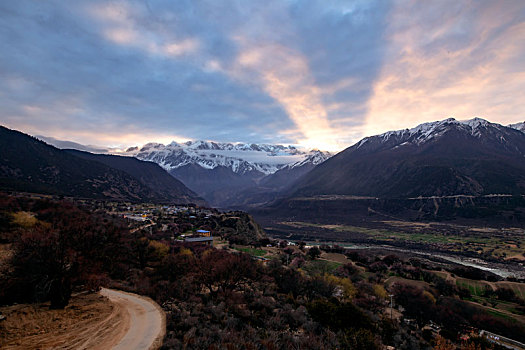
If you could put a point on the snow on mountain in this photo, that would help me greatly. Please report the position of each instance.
(518, 126)
(315, 157)
(427, 131)
(239, 157)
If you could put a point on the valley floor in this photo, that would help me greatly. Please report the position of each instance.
(493, 249)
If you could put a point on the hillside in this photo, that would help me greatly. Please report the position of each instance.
(434, 159)
(148, 173)
(472, 171)
(231, 175)
(30, 165)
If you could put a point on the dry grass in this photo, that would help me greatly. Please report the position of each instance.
(520, 257)
(336, 257)
(518, 288)
(409, 224)
(5, 253)
(400, 280)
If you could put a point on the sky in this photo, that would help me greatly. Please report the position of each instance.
(319, 74)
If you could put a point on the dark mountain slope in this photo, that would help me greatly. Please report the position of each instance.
(470, 172)
(148, 173)
(30, 165)
(228, 189)
(288, 175)
(434, 159)
(269, 187)
(218, 185)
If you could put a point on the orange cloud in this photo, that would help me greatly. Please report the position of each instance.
(110, 131)
(285, 75)
(426, 79)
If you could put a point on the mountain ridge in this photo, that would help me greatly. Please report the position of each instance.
(31, 165)
(464, 172)
(518, 126)
(440, 158)
(225, 174)
(241, 158)
(148, 173)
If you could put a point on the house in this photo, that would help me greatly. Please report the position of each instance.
(136, 217)
(199, 239)
(200, 236)
(203, 233)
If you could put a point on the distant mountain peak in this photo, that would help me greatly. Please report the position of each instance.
(241, 158)
(425, 132)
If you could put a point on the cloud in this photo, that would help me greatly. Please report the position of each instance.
(285, 76)
(318, 73)
(85, 83)
(121, 24)
(463, 60)
(162, 65)
(324, 101)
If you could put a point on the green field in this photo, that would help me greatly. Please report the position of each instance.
(440, 274)
(476, 288)
(501, 315)
(251, 251)
(320, 267)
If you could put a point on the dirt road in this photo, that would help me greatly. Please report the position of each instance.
(109, 320)
(147, 324)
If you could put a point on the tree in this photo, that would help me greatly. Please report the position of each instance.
(443, 344)
(44, 266)
(223, 272)
(314, 253)
(64, 248)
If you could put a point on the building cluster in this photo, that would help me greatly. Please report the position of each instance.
(176, 223)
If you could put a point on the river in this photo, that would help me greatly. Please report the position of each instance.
(500, 269)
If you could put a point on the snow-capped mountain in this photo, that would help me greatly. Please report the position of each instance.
(425, 132)
(448, 157)
(482, 130)
(221, 173)
(224, 173)
(240, 158)
(518, 126)
(313, 157)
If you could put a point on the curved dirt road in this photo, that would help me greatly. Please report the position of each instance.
(109, 320)
(147, 322)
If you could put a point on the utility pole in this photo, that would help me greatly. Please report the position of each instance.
(391, 305)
